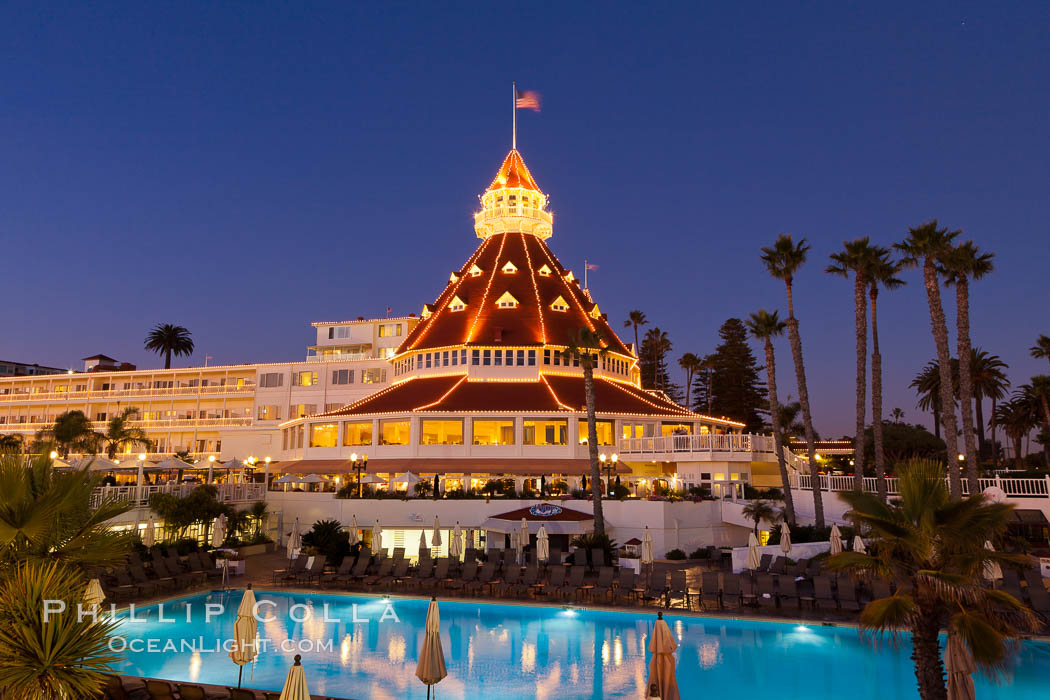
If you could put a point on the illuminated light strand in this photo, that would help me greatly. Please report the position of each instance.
(433, 319)
(442, 397)
(485, 296)
(682, 411)
(586, 316)
(554, 395)
(535, 287)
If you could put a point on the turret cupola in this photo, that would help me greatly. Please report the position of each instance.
(513, 203)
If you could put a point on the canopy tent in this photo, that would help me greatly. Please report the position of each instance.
(408, 478)
(496, 467)
(173, 463)
(96, 463)
(557, 520)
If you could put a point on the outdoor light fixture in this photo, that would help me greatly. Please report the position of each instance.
(358, 465)
(962, 457)
(53, 455)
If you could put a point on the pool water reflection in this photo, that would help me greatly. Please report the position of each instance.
(517, 652)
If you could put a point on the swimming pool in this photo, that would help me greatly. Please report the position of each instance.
(518, 652)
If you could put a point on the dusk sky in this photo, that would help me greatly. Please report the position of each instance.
(243, 169)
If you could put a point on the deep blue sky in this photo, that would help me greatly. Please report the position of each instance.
(246, 168)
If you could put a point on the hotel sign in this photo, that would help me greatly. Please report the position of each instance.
(545, 510)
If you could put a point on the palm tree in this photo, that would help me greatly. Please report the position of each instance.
(691, 364)
(883, 272)
(71, 432)
(586, 347)
(1038, 392)
(929, 547)
(765, 326)
(166, 339)
(927, 385)
(1018, 419)
(121, 434)
(924, 246)
(859, 257)
(1041, 349)
(897, 414)
(759, 510)
(989, 380)
(635, 318)
(960, 264)
(783, 261)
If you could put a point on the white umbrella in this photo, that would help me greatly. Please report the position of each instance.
(455, 542)
(435, 539)
(95, 463)
(785, 538)
(836, 540)
(858, 545)
(245, 633)
(295, 684)
(647, 547)
(661, 666)
(959, 665)
(431, 666)
(354, 537)
(524, 538)
(992, 570)
(174, 463)
(287, 479)
(295, 540)
(149, 536)
(372, 479)
(543, 545)
(218, 531)
(753, 560)
(313, 479)
(407, 478)
(93, 594)
(515, 543)
(377, 537)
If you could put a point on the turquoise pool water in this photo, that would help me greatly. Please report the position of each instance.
(511, 652)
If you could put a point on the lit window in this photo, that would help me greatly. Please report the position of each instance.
(394, 432)
(544, 271)
(475, 271)
(300, 410)
(357, 434)
(456, 304)
(323, 434)
(453, 277)
(604, 428)
(509, 268)
(269, 413)
(506, 301)
(304, 378)
(493, 432)
(560, 304)
(389, 330)
(441, 432)
(375, 375)
(545, 432)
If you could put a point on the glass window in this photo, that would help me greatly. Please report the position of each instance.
(375, 375)
(298, 410)
(394, 432)
(455, 357)
(545, 432)
(532, 358)
(463, 357)
(447, 431)
(496, 431)
(521, 358)
(338, 332)
(389, 330)
(271, 379)
(342, 376)
(486, 358)
(323, 435)
(357, 433)
(444, 359)
(269, 413)
(604, 429)
(475, 357)
(304, 378)
(676, 428)
(498, 359)
(546, 356)
(428, 361)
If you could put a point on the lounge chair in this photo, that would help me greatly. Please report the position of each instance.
(400, 572)
(764, 564)
(510, 581)
(747, 590)
(579, 557)
(732, 594)
(242, 694)
(555, 558)
(159, 690)
(573, 584)
(823, 598)
(198, 564)
(423, 571)
(1033, 577)
(679, 586)
(510, 558)
(116, 690)
(357, 572)
(386, 567)
(329, 578)
(766, 594)
(470, 572)
(779, 565)
(177, 566)
(297, 565)
(554, 582)
(470, 554)
(1040, 601)
(847, 594)
(160, 567)
(528, 580)
(312, 572)
(188, 691)
(624, 584)
(604, 586)
(139, 576)
(597, 558)
(484, 578)
(797, 569)
(126, 585)
(440, 574)
(710, 590)
(788, 593)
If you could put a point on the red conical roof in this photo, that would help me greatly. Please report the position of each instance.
(513, 173)
(536, 282)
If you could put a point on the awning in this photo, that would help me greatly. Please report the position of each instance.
(557, 520)
(493, 467)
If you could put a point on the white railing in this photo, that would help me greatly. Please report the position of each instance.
(148, 424)
(339, 357)
(680, 444)
(209, 390)
(524, 212)
(140, 495)
(1017, 488)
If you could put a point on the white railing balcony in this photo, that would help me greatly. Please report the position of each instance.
(139, 495)
(338, 356)
(683, 445)
(209, 390)
(181, 423)
(1013, 488)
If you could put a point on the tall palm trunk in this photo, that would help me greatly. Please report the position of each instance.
(592, 448)
(1017, 451)
(962, 323)
(689, 389)
(860, 303)
(774, 413)
(944, 359)
(978, 401)
(876, 399)
(937, 418)
(926, 653)
(991, 429)
(167, 358)
(803, 400)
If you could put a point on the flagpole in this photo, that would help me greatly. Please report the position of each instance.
(514, 113)
(585, 273)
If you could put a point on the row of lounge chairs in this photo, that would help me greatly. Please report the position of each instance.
(769, 592)
(166, 573)
(127, 688)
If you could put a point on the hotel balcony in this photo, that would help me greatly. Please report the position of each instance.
(218, 390)
(177, 423)
(698, 448)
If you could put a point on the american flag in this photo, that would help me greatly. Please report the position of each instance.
(590, 266)
(528, 99)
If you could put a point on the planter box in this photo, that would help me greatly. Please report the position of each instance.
(253, 549)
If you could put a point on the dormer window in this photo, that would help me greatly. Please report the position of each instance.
(509, 268)
(560, 304)
(506, 301)
(595, 312)
(569, 277)
(475, 271)
(426, 312)
(453, 278)
(544, 271)
(456, 304)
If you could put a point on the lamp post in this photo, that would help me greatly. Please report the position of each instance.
(608, 465)
(358, 465)
(142, 463)
(962, 459)
(211, 468)
(266, 474)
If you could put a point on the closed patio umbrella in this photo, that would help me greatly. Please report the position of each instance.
(295, 684)
(785, 538)
(435, 539)
(218, 531)
(661, 666)
(455, 543)
(354, 537)
(431, 667)
(836, 540)
(753, 560)
(647, 551)
(422, 540)
(524, 538)
(93, 594)
(543, 545)
(245, 634)
(515, 543)
(295, 540)
(959, 665)
(858, 545)
(992, 570)
(377, 537)
(149, 536)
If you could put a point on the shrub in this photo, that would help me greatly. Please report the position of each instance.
(329, 539)
(701, 553)
(581, 495)
(675, 555)
(592, 540)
